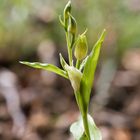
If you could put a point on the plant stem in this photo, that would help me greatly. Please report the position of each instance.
(69, 49)
(83, 112)
(85, 117)
(77, 64)
(86, 127)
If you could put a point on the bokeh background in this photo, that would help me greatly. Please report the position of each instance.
(38, 105)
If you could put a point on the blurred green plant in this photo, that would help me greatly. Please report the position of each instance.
(81, 74)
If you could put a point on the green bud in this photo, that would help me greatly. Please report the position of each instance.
(66, 12)
(73, 25)
(75, 77)
(81, 47)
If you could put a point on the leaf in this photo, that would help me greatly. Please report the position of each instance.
(84, 137)
(46, 66)
(83, 63)
(89, 70)
(61, 21)
(62, 61)
(77, 129)
(74, 76)
(95, 133)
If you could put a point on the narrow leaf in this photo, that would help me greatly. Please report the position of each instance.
(89, 70)
(83, 63)
(62, 61)
(46, 66)
(61, 21)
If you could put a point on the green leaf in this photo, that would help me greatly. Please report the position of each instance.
(62, 61)
(83, 63)
(84, 137)
(61, 21)
(95, 133)
(77, 129)
(74, 76)
(46, 66)
(89, 70)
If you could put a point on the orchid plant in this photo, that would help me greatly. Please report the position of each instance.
(80, 74)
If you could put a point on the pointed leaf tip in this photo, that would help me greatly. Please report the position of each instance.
(89, 69)
(21, 62)
(46, 66)
(62, 61)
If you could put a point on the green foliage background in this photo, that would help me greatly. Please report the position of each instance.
(22, 28)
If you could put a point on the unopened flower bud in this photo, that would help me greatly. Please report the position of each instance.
(72, 25)
(81, 47)
(66, 12)
(75, 77)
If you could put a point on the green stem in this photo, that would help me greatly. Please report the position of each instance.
(77, 64)
(69, 49)
(83, 112)
(86, 127)
(79, 101)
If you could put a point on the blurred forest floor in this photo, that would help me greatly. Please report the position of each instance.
(39, 105)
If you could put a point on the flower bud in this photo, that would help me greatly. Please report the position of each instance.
(73, 25)
(75, 77)
(81, 47)
(66, 12)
